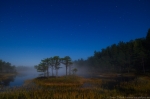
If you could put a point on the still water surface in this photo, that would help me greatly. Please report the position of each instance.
(19, 79)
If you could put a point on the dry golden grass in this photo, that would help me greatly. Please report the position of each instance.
(60, 81)
(72, 87)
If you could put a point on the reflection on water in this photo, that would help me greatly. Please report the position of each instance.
(18, 80)
(6, 82)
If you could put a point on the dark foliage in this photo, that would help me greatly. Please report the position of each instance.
(132, 56)
(6, 67)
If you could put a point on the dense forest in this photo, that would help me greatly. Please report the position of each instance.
(132, 56)
(6, 67)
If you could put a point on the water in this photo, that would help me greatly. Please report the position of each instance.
(22, 76)
(20, 79)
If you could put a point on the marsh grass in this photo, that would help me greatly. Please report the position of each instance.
(140, 85)
(60, 81)
(73, 87)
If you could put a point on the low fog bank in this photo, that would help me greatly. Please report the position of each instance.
(26, 70)
(82, 71)
(24, 73)
(30, 70)
(61, 71)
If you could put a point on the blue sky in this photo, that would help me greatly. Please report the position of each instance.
(31, 30)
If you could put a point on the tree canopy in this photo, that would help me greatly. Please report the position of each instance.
(132, 56)
(6, 67)
(54, 63)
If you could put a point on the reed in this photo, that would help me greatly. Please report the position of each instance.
(72, 87)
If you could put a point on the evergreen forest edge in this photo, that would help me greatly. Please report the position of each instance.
(124, 57)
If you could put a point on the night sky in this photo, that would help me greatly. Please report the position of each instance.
(31, 30)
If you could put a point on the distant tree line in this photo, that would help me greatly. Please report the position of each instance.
(132, 56)
(6, 67)
(54, 63)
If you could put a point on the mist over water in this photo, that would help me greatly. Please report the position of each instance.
(26, 74)
(81, 71)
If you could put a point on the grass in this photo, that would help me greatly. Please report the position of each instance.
(64, 81)
(74, 87)
(140, 85)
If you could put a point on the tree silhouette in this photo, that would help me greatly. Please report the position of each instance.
(46, 62)
(6, 67)
(74, 71)
(57, 61)
(132, 56)
(41, 68)
(67, 62)
(52, 64)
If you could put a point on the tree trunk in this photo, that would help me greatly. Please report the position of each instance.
(47, 71)
(143, 65)
(70, 70)
(120, 69)
(56, 72)
(52, 71)
(44, 74)
(128, 68)
(66, 69)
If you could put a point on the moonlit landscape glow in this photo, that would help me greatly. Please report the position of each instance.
(31, 30)
(74, 49)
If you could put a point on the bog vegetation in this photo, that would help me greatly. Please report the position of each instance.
(119, 71)
(74, 87)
